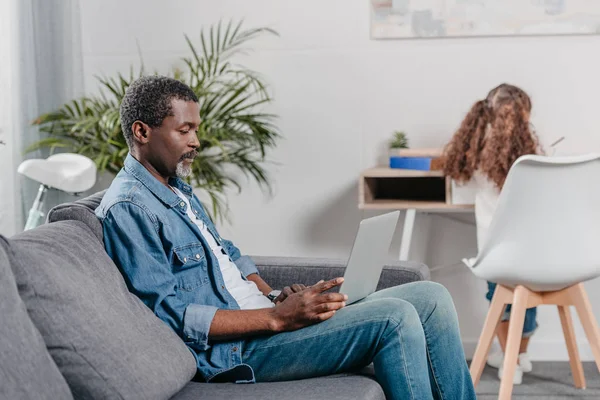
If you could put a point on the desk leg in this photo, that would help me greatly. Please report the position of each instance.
(407, 233)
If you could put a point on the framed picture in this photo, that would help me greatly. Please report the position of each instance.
(392, 19)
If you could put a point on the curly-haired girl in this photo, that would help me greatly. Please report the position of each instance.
(495, 132)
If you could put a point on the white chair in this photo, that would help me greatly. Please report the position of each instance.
(542, 244)
(68, 172)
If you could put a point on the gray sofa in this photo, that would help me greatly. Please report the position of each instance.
(70, 328)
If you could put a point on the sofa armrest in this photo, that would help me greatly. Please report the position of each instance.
(279, 272)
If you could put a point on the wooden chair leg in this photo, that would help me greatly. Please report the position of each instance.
(487, 334)
(586, 316)
(515, 332)
(574, 360)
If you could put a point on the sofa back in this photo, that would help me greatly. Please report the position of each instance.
(81, 210)
(103, 339)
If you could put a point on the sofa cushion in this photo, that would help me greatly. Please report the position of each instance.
(27, 371)
(334, 387)
(105, 341)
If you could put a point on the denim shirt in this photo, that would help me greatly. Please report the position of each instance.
(168, 264)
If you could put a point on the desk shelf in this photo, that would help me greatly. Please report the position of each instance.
(412, 191)
(401, 189)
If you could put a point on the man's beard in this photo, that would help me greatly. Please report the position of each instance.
(183, 170)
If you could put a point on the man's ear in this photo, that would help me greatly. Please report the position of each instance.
(141, 132)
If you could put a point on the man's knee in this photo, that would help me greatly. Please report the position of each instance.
(395, 311)
(436, 302)
(436, 292)
(426, 293)
(429, 299)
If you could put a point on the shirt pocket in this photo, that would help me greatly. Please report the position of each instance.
(191, 266)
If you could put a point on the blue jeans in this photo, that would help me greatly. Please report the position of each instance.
(409, 332)
(530, 324)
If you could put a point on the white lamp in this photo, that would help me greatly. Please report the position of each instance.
(68, 172)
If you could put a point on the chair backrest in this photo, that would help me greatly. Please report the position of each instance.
(545, 233)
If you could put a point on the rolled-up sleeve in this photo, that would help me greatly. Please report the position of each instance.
(246, 265)
(131, 239)
(196, 324)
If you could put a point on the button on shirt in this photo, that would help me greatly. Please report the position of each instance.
(245, 292)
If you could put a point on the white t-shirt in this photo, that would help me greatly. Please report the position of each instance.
(486, 200)
(245, 292)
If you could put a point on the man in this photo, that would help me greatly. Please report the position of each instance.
(173, 258)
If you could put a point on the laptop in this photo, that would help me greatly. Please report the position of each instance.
(368, 256)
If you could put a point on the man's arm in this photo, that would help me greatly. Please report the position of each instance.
(300, 309)
(260, 283)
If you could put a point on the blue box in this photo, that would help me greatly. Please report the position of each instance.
(418, 163)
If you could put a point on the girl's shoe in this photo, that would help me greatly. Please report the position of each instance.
(517, 377)
(496, 359)
(525, 362)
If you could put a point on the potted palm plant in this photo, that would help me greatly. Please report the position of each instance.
(235, 133)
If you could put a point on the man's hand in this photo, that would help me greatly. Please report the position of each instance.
(308, 306)
(287, 291)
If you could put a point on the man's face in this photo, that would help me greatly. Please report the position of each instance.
(174, 144)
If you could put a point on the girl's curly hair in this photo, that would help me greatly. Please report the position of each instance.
(495, 132)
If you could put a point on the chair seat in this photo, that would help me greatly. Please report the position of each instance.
(71, 173)
(558, 277)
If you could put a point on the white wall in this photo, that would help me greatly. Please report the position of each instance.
(340, 95)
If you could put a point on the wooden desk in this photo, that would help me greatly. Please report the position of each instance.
(385, 188)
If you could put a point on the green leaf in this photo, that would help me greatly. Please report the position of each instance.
(50, 142)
